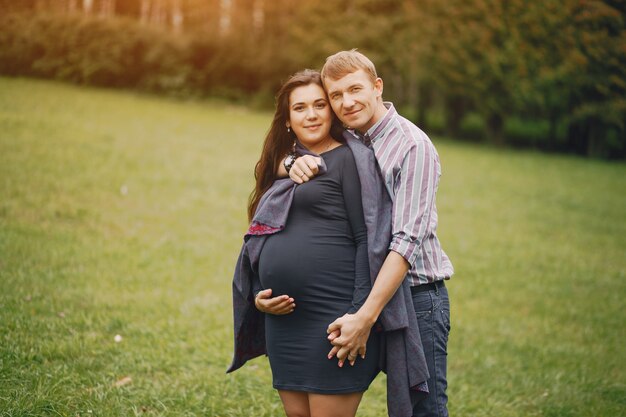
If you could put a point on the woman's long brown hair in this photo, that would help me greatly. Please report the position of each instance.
(278, 142)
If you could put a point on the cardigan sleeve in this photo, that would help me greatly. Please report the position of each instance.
(351, 188)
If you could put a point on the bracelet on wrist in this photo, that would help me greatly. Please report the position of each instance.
(289, 161)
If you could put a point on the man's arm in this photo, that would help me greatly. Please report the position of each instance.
(355, 328)
(303, 169)
(413, 202)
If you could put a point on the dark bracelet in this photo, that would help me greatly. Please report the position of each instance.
(289, 161)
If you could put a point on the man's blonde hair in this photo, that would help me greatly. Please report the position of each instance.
(346, 62)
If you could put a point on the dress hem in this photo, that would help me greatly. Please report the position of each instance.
(316, 390)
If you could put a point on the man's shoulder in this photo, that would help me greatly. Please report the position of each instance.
(409, 132)
(409, 138)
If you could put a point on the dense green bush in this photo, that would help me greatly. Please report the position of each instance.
(111, 52)
(122, 53)
(547, 75)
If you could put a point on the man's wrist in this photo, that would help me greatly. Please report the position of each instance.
(366, 316)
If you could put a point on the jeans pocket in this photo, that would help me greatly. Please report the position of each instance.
(445, 321)
(423, 315)
(422, 304)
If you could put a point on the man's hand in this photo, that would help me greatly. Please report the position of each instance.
(348, 335)
(354, 329)
(304, 168)
(283, 304)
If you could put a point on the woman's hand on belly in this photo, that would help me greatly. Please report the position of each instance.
(279, 305)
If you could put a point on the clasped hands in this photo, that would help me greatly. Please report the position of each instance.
(348, 334)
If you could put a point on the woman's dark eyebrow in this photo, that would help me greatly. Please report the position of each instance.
(302, 102)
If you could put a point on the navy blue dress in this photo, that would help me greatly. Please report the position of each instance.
(319, 259)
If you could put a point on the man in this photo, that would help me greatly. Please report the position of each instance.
(410, 168)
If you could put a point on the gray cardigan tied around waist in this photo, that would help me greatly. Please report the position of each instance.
(402, 356)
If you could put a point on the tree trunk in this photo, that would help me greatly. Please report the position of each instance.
(258, 15)
(455, 110)
(72, 6)
(596, 144)
(577, 138)
(87, 6)
(424, 102)
(225, 16)
(412, 95)
(552, 139)
(145, 11)
(107, 8)
(177, 16)
(160, 15)
(495, 129)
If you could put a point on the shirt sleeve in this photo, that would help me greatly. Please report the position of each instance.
(351, 189)
(414, 198)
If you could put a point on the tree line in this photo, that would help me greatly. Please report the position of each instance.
(546, 74)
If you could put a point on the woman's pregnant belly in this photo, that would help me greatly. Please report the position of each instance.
(314, 270)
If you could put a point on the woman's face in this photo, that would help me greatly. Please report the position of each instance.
(310, 115)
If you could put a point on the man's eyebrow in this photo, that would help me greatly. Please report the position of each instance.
(351, 86)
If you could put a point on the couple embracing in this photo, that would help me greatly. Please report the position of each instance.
(341, 274)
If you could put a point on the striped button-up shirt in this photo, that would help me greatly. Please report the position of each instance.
(410, 167)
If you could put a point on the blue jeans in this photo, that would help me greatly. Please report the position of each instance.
(433, 316)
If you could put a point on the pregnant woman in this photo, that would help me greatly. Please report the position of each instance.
(313, 266)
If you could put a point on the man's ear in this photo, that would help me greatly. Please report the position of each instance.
(378, 86)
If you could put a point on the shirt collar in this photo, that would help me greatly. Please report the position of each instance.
(375, 132)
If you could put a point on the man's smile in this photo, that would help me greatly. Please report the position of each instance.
(351, 113)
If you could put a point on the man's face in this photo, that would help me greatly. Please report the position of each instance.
(354, 98)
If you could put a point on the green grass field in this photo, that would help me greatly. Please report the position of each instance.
(123, 214)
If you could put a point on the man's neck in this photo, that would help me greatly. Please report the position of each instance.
(380, 112)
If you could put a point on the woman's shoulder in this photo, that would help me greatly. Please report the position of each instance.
(339, 149)
(340, 155)
(344, 160)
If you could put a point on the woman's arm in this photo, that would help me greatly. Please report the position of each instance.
(304, 168)
(265, 303)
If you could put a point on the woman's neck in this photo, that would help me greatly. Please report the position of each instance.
(322, 146)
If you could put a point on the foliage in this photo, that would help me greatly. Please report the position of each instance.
(575, 72)
(554, 63)
(116, 53)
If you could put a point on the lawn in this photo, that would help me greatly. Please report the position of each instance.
(122, 214)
